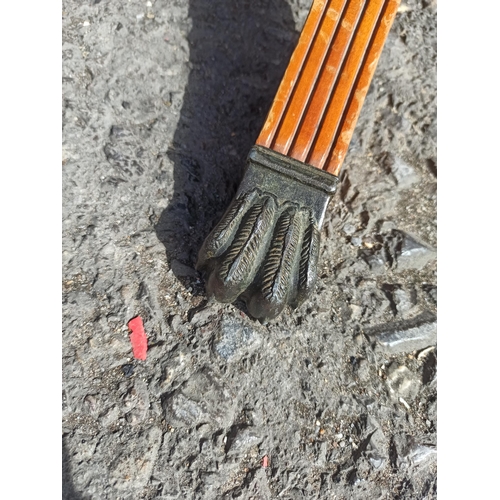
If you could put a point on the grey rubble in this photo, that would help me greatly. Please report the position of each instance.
(162, 101)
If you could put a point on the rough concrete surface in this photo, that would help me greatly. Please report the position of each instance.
(162, 100)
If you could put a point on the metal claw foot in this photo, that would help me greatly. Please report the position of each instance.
(265, 248)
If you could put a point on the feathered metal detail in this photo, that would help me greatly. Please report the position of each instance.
(265, 248)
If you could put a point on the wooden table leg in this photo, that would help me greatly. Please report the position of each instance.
(265, 248)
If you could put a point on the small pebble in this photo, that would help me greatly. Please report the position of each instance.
(128, 370)
(404, 403)
(349, 229)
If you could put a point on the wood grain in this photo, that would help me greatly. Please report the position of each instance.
(317, 105)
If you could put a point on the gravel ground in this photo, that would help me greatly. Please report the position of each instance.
(162, 101)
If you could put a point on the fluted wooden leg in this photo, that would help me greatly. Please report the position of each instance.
(265, 248)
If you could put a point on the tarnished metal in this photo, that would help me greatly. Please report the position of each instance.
(265, 248)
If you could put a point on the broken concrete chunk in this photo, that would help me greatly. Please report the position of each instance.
(199, 400)
(181, 410)
(399, 250)
(422, 454)
(411, 339)
(414, 254)
(376, 449)
(242, 440)
(236, 338)
(376, 263)
(404, 173)
(404, 300)
(402, 383)
(406, 336)
(409, 452)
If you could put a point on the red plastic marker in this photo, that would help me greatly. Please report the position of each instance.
(138, 338)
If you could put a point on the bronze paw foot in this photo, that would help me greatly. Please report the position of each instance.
(265, 248)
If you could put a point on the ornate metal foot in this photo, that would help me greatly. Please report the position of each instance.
(265, 248)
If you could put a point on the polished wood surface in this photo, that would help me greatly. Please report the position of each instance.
(317, 105)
